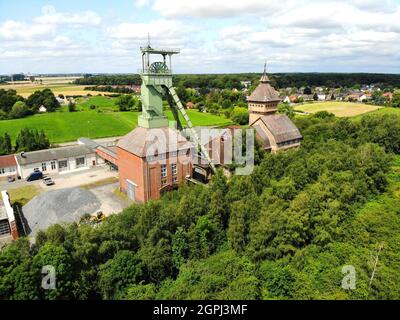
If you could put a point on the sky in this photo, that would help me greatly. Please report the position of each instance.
(215, 36)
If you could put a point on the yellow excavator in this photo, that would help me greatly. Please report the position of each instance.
(97, 217)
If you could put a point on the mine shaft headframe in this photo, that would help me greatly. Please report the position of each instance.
(164, 52)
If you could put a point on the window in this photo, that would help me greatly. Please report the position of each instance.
(175, 180)
(2, 171)
(63, 165)
(44, 166)
(80, 162)
(174, 169)
(163, 170)
(11, 169)
(173, 154)
(53, 165)
(163, 182)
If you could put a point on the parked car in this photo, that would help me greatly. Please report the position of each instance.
(10, 178)
(34, 176)
(48, 181)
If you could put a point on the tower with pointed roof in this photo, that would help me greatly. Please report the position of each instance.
(275, 131)
(264, 100)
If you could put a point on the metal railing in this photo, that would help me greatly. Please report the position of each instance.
(148, 71)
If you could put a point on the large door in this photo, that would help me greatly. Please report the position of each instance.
(4, 228)
(130, 190)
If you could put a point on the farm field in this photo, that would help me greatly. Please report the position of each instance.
(25, 90)
(339, 109)
(66, 126)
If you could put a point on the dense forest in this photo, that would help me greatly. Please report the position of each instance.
(284, 232)
(279, 80)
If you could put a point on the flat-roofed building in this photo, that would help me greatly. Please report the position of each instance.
(57, 160)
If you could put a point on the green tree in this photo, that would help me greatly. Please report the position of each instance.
(125, 102)
(118, 273)
(31, 140)
(71, 106)
(5, 144)
(240, 115)
(19, 110)
(55, 256)
(396, 100)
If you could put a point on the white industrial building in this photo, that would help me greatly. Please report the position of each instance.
(57, 160)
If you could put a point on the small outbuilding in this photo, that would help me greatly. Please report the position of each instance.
(8, 166)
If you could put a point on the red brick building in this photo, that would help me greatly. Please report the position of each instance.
(151, 161)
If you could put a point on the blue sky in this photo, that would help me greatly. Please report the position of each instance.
(40, 36)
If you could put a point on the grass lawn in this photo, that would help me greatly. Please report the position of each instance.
(381, 111)
(101, 102)
(338, 108)
(69, 126)
(24, 194)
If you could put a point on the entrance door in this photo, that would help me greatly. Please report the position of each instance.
(4, 228)
(130, 190)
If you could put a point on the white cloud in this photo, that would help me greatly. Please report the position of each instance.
(140, 31)
(13, 30)
(294, 35)
(52, 17)
(219, 8)
(141, 3)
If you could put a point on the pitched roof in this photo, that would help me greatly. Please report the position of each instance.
(7, 161)
(53, 154)
(281, 127)
(141, 140)
(262, 136)
(264, 92)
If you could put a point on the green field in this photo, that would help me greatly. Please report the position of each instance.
(26, 90)
(338, 108)
(66, 126)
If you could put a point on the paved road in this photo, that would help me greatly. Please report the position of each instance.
(67, 180)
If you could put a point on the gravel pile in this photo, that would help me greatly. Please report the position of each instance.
(58, 206)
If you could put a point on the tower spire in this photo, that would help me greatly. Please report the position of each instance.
(148, 40)
(264, 77)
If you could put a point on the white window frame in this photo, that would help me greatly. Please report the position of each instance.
(164, 171)
(81, 165)
(174, 169)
